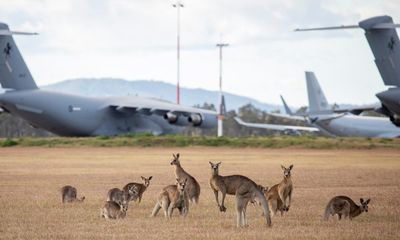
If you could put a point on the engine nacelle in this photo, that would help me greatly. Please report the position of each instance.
(175, 119)
(204, 120)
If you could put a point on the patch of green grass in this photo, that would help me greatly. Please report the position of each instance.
(145, 140)
(8, 143)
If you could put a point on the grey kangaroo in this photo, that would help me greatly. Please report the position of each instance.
(192, 187)
(114, 210)
(346, 207)
(171, 197)
(69, 193)
(141, 188)
(243, 188)
(279, 194)
(121, 196)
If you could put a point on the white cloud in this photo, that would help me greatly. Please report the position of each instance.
(136, 39)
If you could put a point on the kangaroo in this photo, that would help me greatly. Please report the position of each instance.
(343, 205)
(114, 210)
(117, 195)
(243, 188)
(68, 195)
(141, 188)
(193, 187)
(171, 197)
(281, 193)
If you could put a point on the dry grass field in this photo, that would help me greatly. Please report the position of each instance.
(30, 203)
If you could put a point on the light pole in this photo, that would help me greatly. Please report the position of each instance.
(178, 5)
(221, 101)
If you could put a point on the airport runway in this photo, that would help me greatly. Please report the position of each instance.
(30, 179)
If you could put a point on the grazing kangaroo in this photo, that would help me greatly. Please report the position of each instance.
(243, 188)
(171, 197)
(193, 187)
(121, 196)
(114, 210)
(279, 194)
(343, 205)
(141, 188)
(68, 195)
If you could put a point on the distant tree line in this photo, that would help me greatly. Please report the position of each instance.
(13, 126)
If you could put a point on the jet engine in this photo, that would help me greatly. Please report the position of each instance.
(175, 119)
(203, 120)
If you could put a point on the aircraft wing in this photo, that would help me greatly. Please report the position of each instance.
(357, 110)
(175, 114)
(292, 117)
(275, 126)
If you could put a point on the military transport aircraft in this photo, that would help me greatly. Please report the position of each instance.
(73, 115)
(340, 122)
(384, 42)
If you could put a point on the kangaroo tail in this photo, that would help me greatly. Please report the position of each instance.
(156, 208)
(261, 199)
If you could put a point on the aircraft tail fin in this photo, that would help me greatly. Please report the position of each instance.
(14, 74)
(316, 98)
(287, 109)
(385, 45)
(384, 42)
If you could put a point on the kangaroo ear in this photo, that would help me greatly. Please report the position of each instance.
(185, 180)
(211, 163)
(177, 155)
(150, 177)
(368, 200)
(143, 178)
(290, 167)
(361, 200)
(219, 163)
(283, 168)
(174, 155)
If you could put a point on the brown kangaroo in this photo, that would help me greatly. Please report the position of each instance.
(141, 188)
(69, 193)
(280, 193)
(114, 210)
(121, 196)
(171, 197)
(243, 188)
(343, 205)
(193, 187)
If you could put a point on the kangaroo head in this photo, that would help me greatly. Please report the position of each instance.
(181, 185)
(176, 161)
(286, 171)
(146, 181)
(364, 204)
(214, 167)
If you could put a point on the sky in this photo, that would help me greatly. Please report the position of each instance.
(136, 40)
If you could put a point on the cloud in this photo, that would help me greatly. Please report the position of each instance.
(136, 39)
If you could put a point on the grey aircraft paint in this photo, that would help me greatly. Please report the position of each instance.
(73, 115)
(383, 40)
(322, 117)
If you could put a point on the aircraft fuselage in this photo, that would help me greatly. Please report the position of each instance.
(73, 115)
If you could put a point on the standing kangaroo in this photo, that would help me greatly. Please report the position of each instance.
(193, 187)
(343, 205)
(243, 188)
(281, 193)
(121, 196)
(141, 187)
(171, 197)
(114, 210)
(68, 195)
